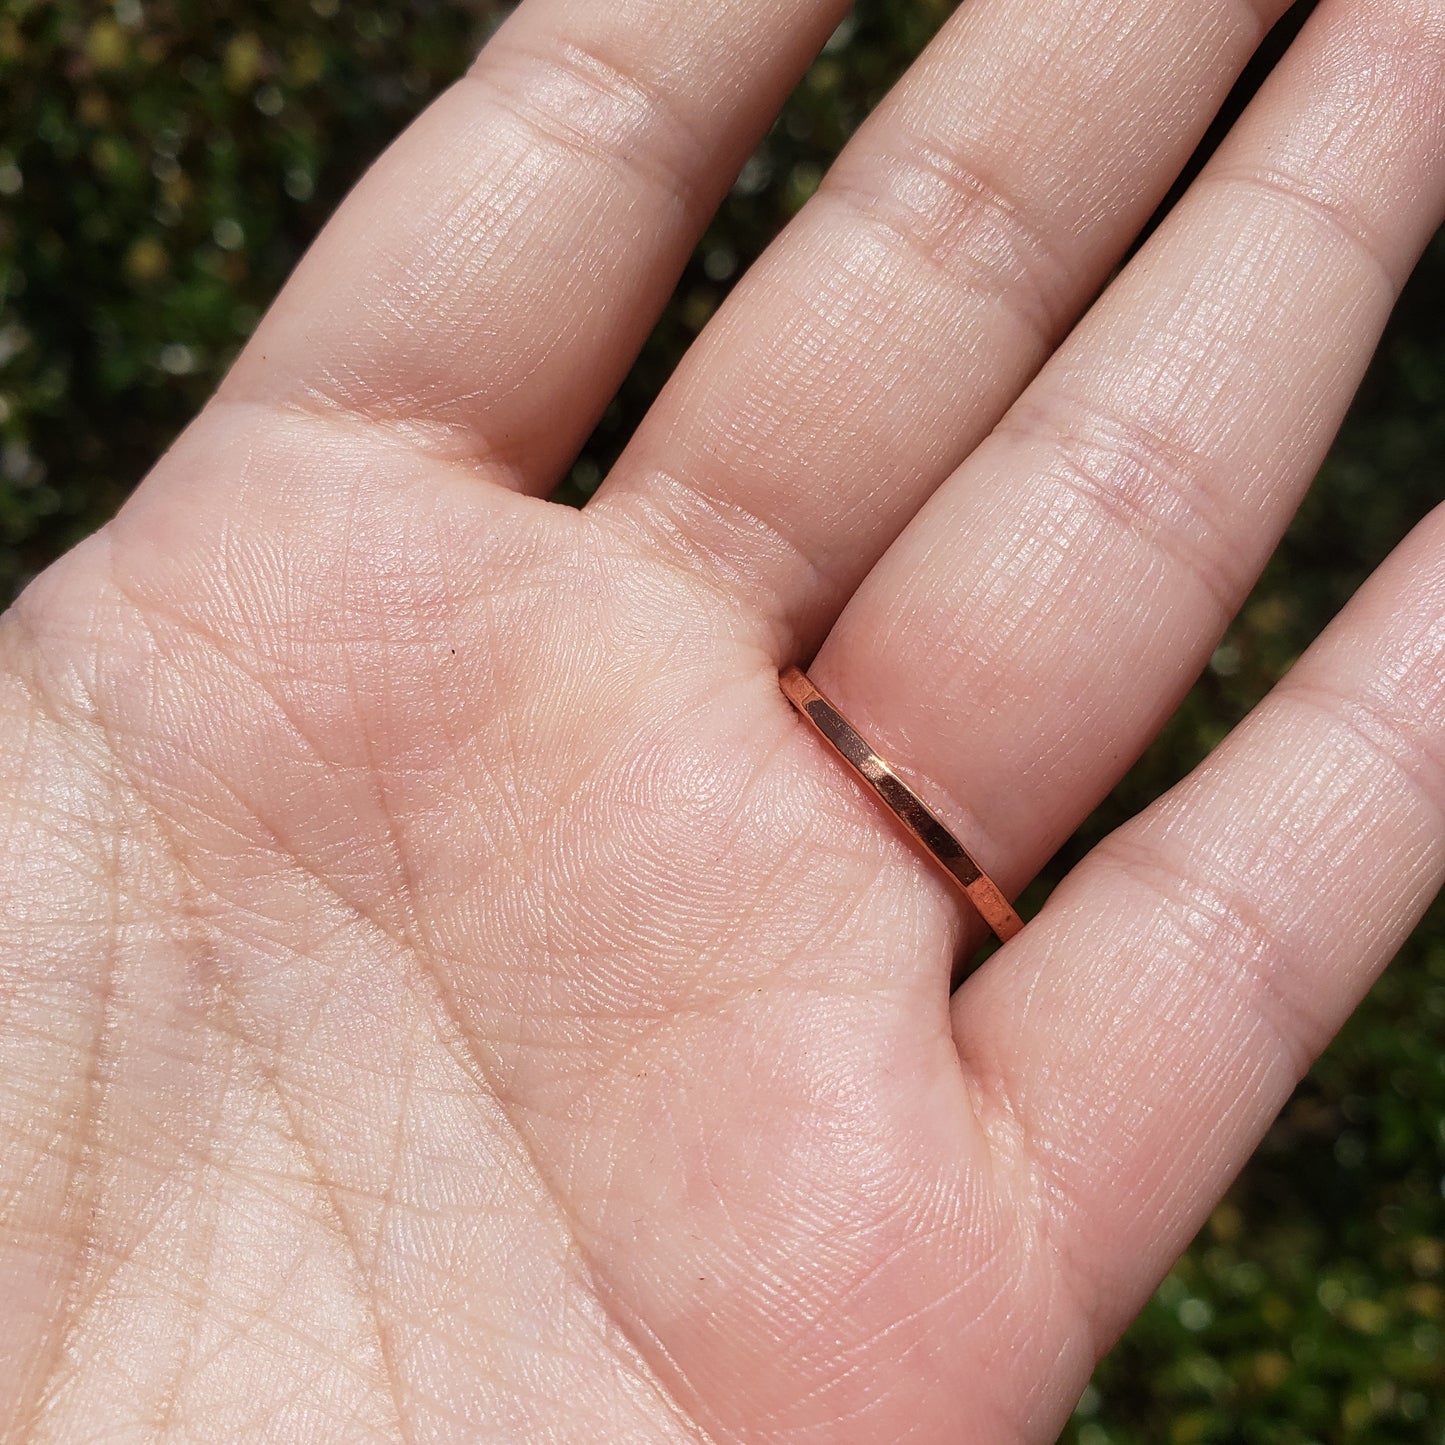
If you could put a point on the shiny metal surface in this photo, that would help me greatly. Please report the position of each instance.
(918, 819)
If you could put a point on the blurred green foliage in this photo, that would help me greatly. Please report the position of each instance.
(163, 163)
(161, 166)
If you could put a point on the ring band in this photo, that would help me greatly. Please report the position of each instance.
(922, 823)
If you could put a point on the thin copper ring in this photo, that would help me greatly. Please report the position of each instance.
(923, 825)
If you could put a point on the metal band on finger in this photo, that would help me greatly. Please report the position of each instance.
(921, 822)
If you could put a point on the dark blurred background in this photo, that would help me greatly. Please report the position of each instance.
(162, 165)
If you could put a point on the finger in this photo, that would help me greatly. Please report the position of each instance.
(485, 289)
(1033, 628)
(1141, 1035)
(952, 244)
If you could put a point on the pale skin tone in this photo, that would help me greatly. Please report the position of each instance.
(445, 993)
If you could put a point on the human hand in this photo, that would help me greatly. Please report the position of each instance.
(446, 992)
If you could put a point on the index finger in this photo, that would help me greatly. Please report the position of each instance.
(487, 285)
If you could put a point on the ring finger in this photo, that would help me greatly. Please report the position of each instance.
(1054, 600)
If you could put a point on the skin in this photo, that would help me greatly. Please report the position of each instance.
(446, 994)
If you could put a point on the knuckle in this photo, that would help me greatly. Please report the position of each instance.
(960, 222)
(1396, 730)
(1142, 482)
(581, 99)
(1226, 946)
(1318, 198)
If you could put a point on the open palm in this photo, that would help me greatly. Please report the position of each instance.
(446, 993)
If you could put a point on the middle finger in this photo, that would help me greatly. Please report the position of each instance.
(952, 244)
